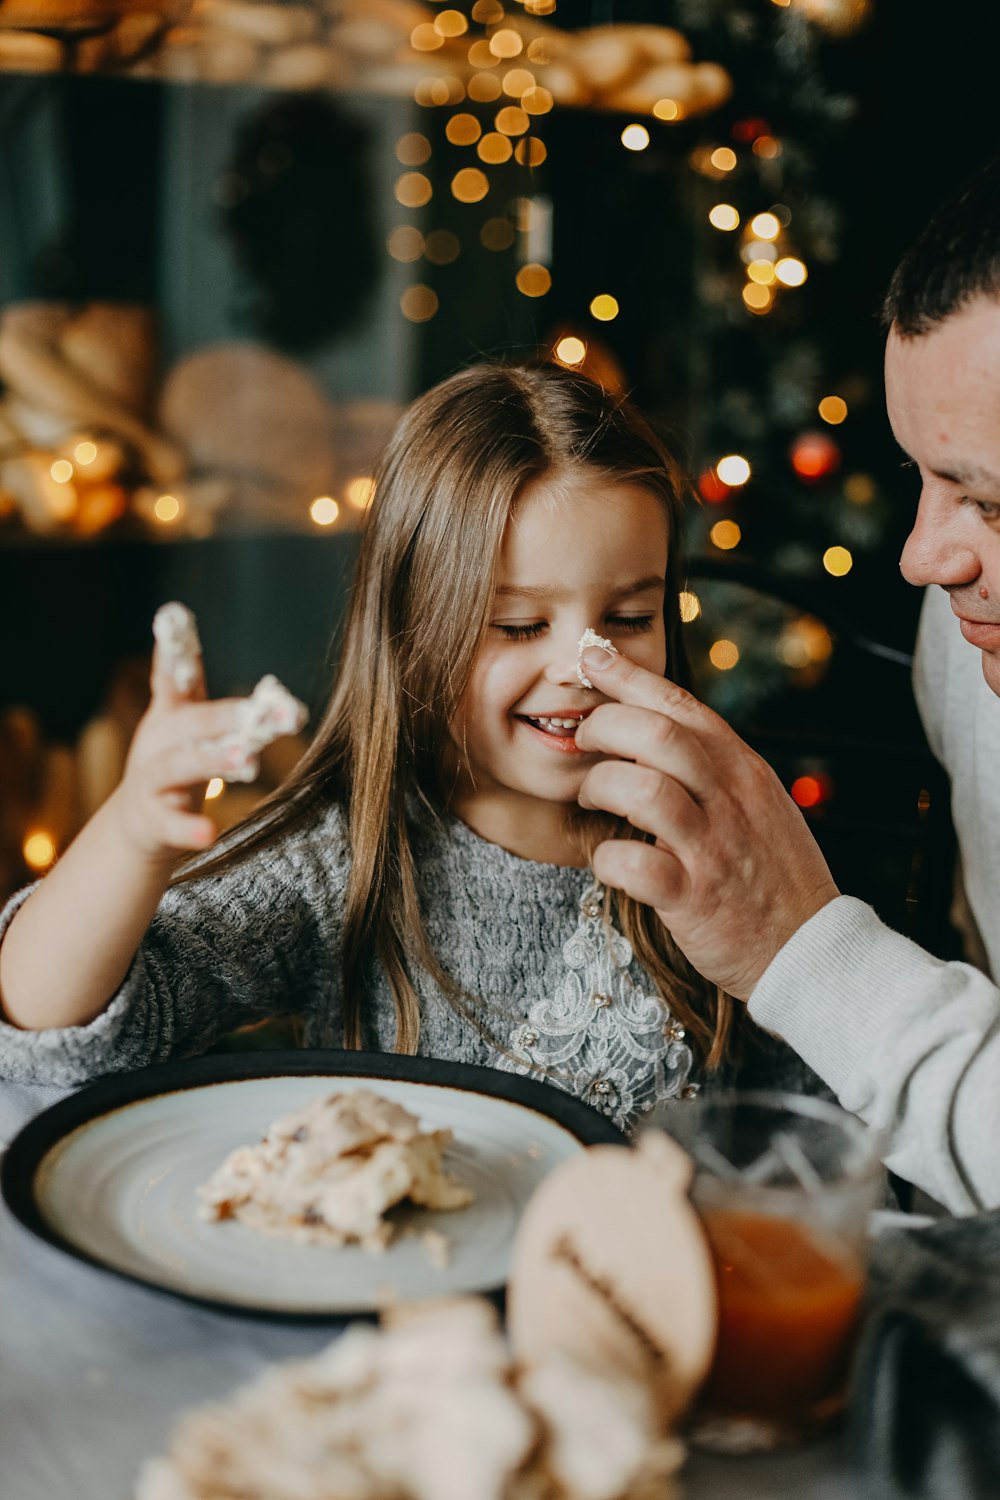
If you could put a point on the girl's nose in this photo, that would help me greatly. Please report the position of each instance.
(938, 549)
(560, 668)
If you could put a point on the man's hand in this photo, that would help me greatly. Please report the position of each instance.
(734, 871)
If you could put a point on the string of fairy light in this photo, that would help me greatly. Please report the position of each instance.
(503, 87)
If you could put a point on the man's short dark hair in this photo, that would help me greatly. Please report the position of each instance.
(956, 259)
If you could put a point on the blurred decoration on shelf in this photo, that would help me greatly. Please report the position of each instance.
(83, 436)
(395, 47)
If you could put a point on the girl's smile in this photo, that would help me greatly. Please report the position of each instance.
(558, 729)
(580, 550)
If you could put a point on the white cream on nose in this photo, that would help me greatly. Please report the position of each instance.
(591, 638)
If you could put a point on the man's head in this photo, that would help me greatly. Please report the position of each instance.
(942, 375)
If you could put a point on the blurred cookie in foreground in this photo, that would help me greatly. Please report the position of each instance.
(430, 1406)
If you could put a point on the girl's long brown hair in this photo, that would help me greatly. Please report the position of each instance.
(421, 604)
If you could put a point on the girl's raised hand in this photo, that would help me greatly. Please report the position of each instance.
(734, 870)
(182, 741)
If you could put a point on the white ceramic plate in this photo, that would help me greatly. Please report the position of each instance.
(119, 1189)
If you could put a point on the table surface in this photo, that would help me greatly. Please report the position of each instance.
(94, 1370)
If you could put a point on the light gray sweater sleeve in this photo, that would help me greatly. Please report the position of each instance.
(257, 940)
(909, 1043)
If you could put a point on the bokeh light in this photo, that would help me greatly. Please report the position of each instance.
(38, 849)
(733, 470)
(723, 655)
(635, 137)
(534, 280)
(324, 510)
(725, 535)
(833, 409)
(838, 561)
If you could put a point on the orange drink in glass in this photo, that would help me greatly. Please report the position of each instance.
(784, 1185)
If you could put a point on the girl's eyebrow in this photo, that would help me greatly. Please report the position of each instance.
(525, 591)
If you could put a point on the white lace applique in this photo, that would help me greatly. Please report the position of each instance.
(600, 1036)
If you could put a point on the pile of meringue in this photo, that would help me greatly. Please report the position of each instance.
(329, 1173)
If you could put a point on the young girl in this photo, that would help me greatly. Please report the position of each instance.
(421, 883)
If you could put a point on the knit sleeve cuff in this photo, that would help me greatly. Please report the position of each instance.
(58, 1055)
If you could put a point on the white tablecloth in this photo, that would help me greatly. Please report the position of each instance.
(93, 1371)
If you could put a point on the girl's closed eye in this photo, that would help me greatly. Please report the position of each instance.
(513, 632)
(630, 623)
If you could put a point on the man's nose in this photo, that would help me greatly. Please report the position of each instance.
(937, 549)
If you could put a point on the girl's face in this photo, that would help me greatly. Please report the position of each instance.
(580, 550)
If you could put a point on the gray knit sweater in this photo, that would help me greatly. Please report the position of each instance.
(908, 1042)
(557, 988)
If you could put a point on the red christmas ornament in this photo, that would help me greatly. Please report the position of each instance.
(749, 130)
(814, 456)
(810, 791)
(712, 488)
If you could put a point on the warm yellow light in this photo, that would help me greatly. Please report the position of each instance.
(495, 148)
(324, 510)
(838, 561)
(463, 130)
(690, 606)
(724, 158)
(766, 147)
(784, 3)
(480, 56)
(360, 491)
(405, 243)
(512, 120)
(761, 271)
(497, 234)
(85, 453)
(484, 87)
(506, 43)
(635, 137)
(833, 409)
(517, 81)
(62, 500)
(39, 849)
(426, 37)
(487, 12)
(539, 7)
(533, 280)
(451, 23)
(667, 109)
(790, 271)
(571, 351)
(537, 101)
(413, 190)
(758, 250)
(859, 489)
(470, 185)
(765, 226)
(418, 303)
(215, 788)
(604, 308)
(62, 471)
(413, 149)
(725, 535)
(724, 655)
(442, 247)
(757, 297)
(733, 470)
(530, 151)
(167, 509)
(723, 216)
(433, 92)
